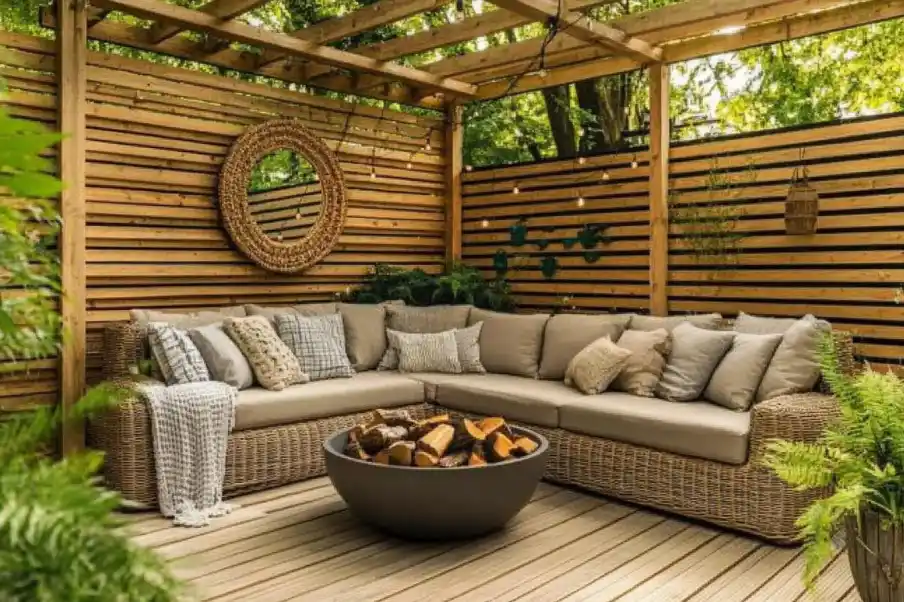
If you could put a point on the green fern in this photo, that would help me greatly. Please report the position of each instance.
(861, 456)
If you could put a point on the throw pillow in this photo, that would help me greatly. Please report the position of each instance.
(644, 367)
(179, 360)
(429, 352)
(365, 334)
(747, 324)
(318, 342)
(304, 309)
(707, 321)
(510, 343)
(224, 359)
(695, 354)
(189, 320)
(568, 334)
(595, 366)
(423, 320)
(468, 342)
(795, 364)
(737, 377)
(273, 363)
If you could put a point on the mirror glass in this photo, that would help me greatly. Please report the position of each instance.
(284, 195)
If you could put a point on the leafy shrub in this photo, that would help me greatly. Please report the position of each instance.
(461, 284)
(861, 456)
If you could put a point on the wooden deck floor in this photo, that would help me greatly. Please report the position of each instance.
(299, 543)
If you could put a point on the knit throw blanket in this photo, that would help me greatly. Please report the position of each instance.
(191, 425)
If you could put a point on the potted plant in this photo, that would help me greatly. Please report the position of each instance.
(861, 458)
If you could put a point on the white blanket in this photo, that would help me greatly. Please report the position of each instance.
(191, 425)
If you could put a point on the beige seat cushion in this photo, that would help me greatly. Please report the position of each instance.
(510, 343)
(567, 334)
(708, 321)
(513, 397)
(697, 428)
(258, 408)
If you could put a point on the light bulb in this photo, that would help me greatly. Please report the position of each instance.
(580, 131)
(516, 190)
(582, 160)
(409, 165)
(469, 168)
(427, 147)
(460, 15)
(543, 73)
(634, 164)
(606, 176)
(485, 223)
(298, 215)
(316, 177)
(373, 174)
(279, 236)
(580, 201)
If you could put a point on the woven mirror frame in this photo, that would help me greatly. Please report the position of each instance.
(252, 146)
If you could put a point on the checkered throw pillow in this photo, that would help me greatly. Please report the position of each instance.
(318, 342)
(177, 356)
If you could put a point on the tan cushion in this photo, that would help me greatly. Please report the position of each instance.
(795, 364)
(365, 334)
(695, 354)
(190, 320)
(698, 429)
(303, 309)
(737, 377)
(642, 370)
(275, 366)
(425, 352)
(708, 321)
(762, 324)
(510, 343)
(224, 359)
(567, 334)
(468, 342)
(427, 319)
(595, 366)
(257, 408)
(514, 397)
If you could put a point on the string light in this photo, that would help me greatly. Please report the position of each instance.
(582, 160)
(298, 215)
(581, 132)
(408, 165)
(427, 147)
(580, 201)
(373, 173)
(634, 162)
(485, 223)
(542, 73)
(469, 168)
(516, 190)
(605, 176)
(279, 236)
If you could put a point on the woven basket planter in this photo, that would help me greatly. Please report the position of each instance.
(802, 205)
(877, 558)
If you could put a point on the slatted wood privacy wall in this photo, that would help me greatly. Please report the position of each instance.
(156, 138)
(849, 272)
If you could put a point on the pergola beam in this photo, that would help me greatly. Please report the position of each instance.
(364, 19)
(240, 32)
(584, 28)
(222, 9)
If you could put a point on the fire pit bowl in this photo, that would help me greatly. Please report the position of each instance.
(436, 503)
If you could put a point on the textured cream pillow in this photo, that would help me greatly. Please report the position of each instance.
(643, 368)
(421, 320)
(595, 366)
(468, 341)
(567, 334)
(273, 363)
(695, 354)
(429, 352)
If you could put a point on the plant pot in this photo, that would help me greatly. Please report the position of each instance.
(877, 558)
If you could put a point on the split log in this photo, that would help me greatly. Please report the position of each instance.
(381, 436)
(396, 418)
(499, 447)
(466, 434)
(454, 460)
(493, 425)
(478, 455)
(354, 450)
(425, 459)
(401, 453)
(437, 441)
(425, 426)
(382, 457)
(524, 446)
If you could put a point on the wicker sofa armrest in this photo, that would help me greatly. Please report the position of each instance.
(800, 417)
(124, 349)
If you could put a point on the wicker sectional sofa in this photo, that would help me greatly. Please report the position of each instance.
(694, 459)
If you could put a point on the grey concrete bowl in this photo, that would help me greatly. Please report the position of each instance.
(435, 503)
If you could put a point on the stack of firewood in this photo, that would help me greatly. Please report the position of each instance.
(393, 438)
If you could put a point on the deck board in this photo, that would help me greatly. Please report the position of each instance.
(299, 543)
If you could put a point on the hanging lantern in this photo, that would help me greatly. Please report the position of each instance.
(802, 204)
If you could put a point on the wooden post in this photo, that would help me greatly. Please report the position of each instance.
(454, 143)
(659, 189)
(72, 54)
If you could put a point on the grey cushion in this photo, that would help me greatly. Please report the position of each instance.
(697, 429)
(509, 343)
(258, 408)
(437, 318)
(318, 342)
(795, 364)
(748, 324)
(737, 377)
(695, 354)
(178, 357)
(303, 309)
(224, 359)
(707, 321)
(643, 369)
(425, 352)
(365, 334)
(202, 317)
(567, 334)
(514, 397)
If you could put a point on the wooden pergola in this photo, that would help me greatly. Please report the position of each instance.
(572, 46)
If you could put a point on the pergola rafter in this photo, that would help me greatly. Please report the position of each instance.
(222, 9)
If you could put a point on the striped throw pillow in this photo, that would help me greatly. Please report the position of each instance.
(435, 352)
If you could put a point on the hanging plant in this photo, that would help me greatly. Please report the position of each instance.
(500, 262)
(568, 243)
(802, 203)
(518, 232)
(542, 243)
(549, 265)
(592, 256)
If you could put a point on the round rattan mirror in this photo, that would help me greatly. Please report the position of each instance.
(282, 196)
